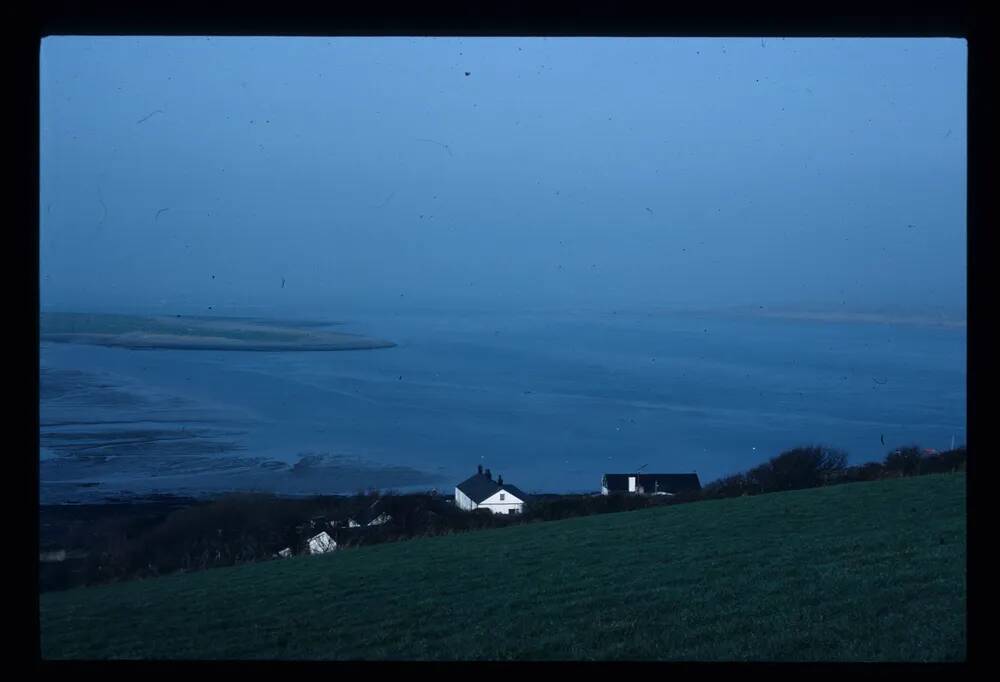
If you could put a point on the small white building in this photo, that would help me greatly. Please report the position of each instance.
(53, 556)
(322, 543)
(480, 491)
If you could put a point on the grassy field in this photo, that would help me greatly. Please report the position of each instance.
(858, 572)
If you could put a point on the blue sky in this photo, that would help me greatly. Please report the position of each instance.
(502, 172)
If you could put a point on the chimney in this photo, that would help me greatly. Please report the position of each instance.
(499, 479)
(480, 468)
(489, 475)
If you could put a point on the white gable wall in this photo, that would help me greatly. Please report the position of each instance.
(498, 506)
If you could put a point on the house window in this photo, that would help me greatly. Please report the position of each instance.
(501, 496)
(512, 511)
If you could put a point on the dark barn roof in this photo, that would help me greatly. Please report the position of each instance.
(480, 487)
(664, 483)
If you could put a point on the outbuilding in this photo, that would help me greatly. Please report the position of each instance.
(649, 484)
(322, 543)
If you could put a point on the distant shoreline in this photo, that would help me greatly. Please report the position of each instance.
(877, 318)
(140, 341)
(925, 320)
(196, 333)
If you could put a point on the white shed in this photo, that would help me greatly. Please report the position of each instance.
(322, 543)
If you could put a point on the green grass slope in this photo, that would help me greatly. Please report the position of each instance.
(860, 572)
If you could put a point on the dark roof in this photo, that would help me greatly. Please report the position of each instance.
(666, 483)
(478, 488)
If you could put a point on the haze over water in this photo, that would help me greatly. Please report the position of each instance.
(589, 252)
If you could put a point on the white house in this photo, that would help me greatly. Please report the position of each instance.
(480, 491)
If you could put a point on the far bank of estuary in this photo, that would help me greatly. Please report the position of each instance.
(196, 333)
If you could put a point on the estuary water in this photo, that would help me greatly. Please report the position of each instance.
(550, 400)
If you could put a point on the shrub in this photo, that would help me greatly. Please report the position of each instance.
(802, 467)
(943, 462)
(904, 461)
(954, 459)
(728, 486)
(870, 471)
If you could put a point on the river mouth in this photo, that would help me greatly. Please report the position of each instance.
(78, 480)
(105, 434)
